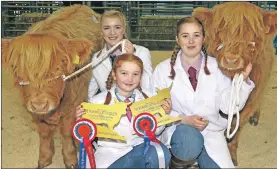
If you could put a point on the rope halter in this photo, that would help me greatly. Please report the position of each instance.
(234, 104)
(103, 56)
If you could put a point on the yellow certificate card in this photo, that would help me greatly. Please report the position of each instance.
(105, 117)
(153, 105)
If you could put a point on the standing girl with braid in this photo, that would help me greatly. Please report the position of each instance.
(198, 92)
(126, 72)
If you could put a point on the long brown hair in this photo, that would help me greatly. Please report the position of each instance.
(117, 63)
(189, 19)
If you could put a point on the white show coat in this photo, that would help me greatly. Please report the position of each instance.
(102, 71)
(212, 94)
(108, 152)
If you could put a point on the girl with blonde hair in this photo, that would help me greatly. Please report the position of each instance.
(114, 27)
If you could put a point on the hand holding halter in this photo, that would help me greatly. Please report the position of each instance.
(103, 56)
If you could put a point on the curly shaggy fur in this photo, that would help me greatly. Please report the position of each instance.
(40, 56)
(235, 26)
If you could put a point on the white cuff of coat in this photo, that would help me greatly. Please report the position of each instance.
(246, 86)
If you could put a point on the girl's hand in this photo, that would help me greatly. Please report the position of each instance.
(167, 105)
(247, 71)
(79, 112)
(196, 121)
(129, 47)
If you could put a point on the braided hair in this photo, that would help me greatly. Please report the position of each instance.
(173, 60)
(189, 19)
(126, 57)
(206, 70)
(109, 84)
(144, 95)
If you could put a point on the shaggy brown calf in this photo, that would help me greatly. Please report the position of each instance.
(59, 45)
(238, 33)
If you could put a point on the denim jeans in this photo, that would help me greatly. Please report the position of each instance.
(187, 143)
(136, 159)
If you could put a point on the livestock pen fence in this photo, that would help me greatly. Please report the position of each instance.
(151, 24)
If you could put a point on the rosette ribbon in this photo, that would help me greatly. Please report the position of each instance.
(85, 131)
(145, 125)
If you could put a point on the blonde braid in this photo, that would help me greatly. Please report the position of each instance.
(173, 60)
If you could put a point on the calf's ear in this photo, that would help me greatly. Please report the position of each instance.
(204, 15)
(270, 22)
(81, 50)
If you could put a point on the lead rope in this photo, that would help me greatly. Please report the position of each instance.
(234, 104)
(103, 56)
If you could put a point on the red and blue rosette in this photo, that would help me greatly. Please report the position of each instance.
(145, 124)
(85, 131)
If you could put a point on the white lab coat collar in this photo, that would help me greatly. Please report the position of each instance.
(138, 95)
(183, 77)
(106, 62)
(178, 64)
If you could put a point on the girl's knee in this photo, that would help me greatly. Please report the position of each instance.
(152, 156)
(190, 134)
(186, 142)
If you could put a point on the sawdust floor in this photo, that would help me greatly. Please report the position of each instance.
(20, 142)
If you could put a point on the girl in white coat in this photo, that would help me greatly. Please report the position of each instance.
(199, 91)
(113, 25)
(126, 72)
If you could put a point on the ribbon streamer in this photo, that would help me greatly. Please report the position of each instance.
(82, 155)
(90, 153)
(160, 154)
(145, 125)
(85, 131)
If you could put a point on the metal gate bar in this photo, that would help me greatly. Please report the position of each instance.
(151, 24)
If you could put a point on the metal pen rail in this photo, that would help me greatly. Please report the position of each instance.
(151, 24)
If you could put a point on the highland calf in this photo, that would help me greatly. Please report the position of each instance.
(57, 46)
(238, 33)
